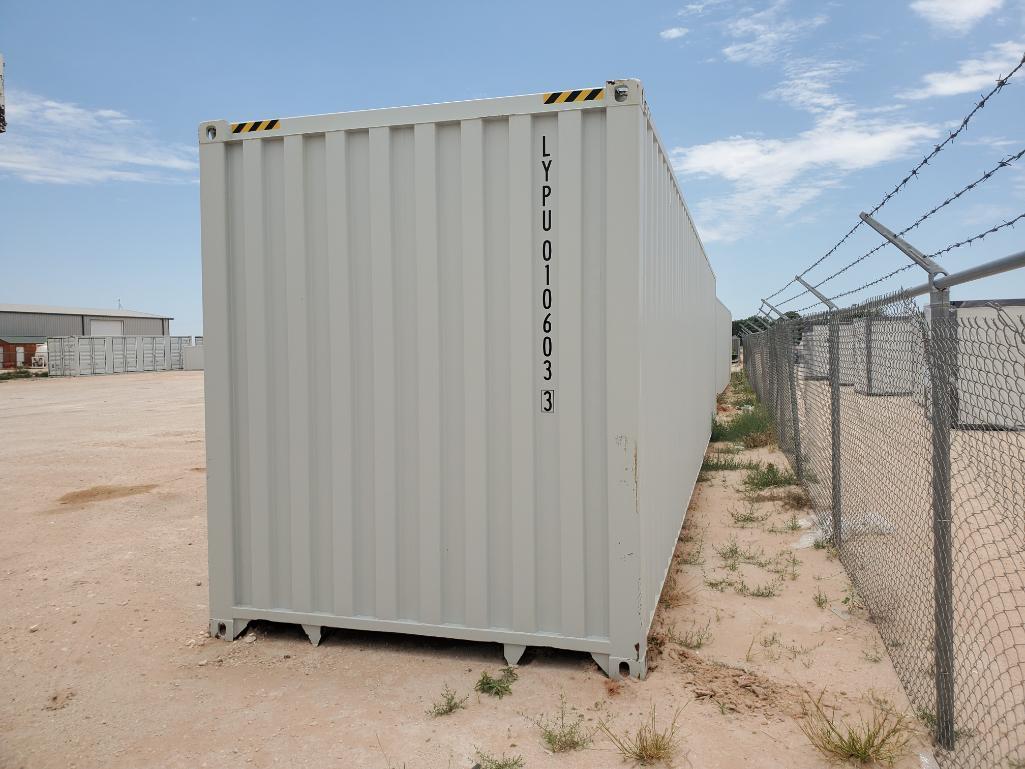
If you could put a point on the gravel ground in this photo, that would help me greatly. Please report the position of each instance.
(104, 658)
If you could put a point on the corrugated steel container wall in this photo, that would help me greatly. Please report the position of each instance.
(990, 389)
(889, 355)
(725, 344)
(815, 351)
(394, 470)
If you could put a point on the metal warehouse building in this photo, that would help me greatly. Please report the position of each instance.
(29, 320)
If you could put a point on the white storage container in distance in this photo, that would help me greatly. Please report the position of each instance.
(495, 356)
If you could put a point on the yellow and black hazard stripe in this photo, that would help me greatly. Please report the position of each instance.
(254, 125)
(567, 97)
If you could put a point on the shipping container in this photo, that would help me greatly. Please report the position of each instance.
(889, 355)
(723, 345)
(494, 343)
(990, 366)
(87, 355)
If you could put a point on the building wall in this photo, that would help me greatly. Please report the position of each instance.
(10, 353)
(39, 324)
(45, 324)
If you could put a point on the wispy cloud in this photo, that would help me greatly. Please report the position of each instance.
(778, 176)
(764, 36)
(971, 75)
(673, 33)
(59, 142)
(956, 16)
(781, 175)
(699, 8)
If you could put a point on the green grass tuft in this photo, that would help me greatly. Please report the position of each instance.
(769, 476)
(649, 744)
(489, 761)
(497, 687)
(561, 734)
(882, 739)
(449, 703)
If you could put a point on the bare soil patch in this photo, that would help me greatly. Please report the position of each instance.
(103, 493)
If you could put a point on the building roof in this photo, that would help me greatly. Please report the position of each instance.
(41, 309)
(23, 339)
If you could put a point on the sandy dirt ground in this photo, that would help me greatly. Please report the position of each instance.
(105, 661)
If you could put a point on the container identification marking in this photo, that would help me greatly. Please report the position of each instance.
(547, 254)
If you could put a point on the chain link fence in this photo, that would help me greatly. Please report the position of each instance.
(907, 426)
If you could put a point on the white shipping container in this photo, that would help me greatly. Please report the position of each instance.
(495, 355)
(723, 345)
(990, 392)
(889, 355)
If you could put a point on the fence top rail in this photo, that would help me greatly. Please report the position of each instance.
(942, 282)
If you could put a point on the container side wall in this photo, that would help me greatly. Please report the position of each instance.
(678, 367)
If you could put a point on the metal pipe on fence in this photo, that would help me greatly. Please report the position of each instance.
(834, 421)
(942, 358)
(792, 369)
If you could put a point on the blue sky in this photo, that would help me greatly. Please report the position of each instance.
(784, 119)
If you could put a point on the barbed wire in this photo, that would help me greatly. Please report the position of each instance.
(944, 250)
(913, 173)
(1004, 163)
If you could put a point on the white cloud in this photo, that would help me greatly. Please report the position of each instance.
(779, 176)
(697, 9)
(957, 16)
(673, 33)
(766, 35)
(63, 143)
(971, 75)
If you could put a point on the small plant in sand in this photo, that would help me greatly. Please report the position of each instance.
(694, 638)
(498, 686)
(768, 476)
(748, 517)
(767, 590)
(449, 703)
(692, 555)
(821, 599)
(719, 461)
(562, 734)
(882, 738)
(673, 592)
(785, 564)
(720, 585)
(791, 524)
(649, 744)
(490, 761)
(874, 654)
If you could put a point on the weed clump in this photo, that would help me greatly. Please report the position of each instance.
(561, 734)
(449, 703)
(694, 638)
(752, 428)
(489, 761)
(882, 738)
(718, 461)
(649, 744)
(497, 687)
(769, 476)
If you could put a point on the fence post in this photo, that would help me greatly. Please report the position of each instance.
(834, 420)
(788, 342)
(943, 340)
(868, 353)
